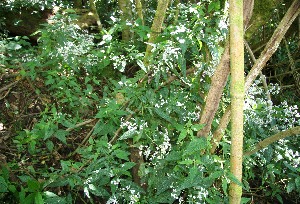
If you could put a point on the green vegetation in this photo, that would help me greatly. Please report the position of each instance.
(130, 104)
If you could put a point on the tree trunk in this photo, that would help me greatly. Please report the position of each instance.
(219, 80)
(156, 28)
(237, 94)
(126, 17)
(93, 9)
(269, 50)
(139, 10)
(78, 4)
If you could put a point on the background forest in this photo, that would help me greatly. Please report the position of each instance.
(128, 101)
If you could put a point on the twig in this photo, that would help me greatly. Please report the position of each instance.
(86, 137)
(173, 78)
(281, 135)
(5, 94)
(253, 194)
(120, 129)
(7, 76)
(80, 124)
(9, 85)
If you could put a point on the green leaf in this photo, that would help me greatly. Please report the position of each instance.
(216, 174)
(49, 145)
(33, 185)
(225, 186)
(61, 135)
(279, 198)
(128, 134)
(13, 46)
(162, 114)
(24, 178)
(96, 190)
(49, 130)
(122, 154)
(98, 128)
(69, 11)
(182, 135)
(52, 198)
(290, 167)
(142, 66)
(65, 165)
(38, 199)
(297, 182)
(290, 187)
(187, 162)
(3, 185)
(12, 188)
(233, 178)
(195, 146)
(197, 127)
(193, 178)
(29, 199)
(5, 172)
(245, 200)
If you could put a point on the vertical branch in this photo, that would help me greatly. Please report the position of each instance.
(176, 12)
(237, 93)
(126, 14)
(295, 74)
(78, 4)
(94, 11)
(139, 10)
(156, 28)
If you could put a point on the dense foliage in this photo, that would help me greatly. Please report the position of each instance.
(83, 111)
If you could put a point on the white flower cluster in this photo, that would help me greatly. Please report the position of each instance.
(200, 197)
(119, 62)
(162, 102)
(112, 200)
(134, 196)
(160, 151)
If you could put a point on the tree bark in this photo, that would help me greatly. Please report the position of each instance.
(237, 94)
(269, 50)
(139, 10)
(93, 8)
(156, 28)
(219, 80)
(281, 135)
(126, 15)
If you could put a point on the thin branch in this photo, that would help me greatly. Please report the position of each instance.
(283, 74)
(281, 135)
(80, 124)
(173, 78)
(9, 85)
(263, 77)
